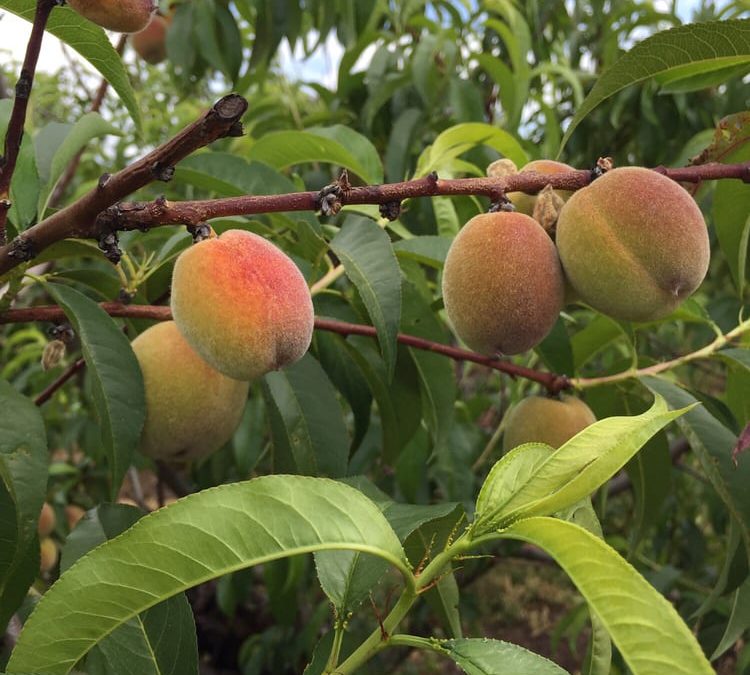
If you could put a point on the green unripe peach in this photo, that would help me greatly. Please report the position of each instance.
(633, 244)
(151, 43)
(525, 203)
(502, 283)
(242, 304)
(48, 555)
(47, 520)
(123, 16)
(191, 409)
(539, 419)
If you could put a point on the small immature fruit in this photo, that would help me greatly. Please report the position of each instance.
(242, 304)
(151, 43)
(191, 409)
(538, 419)
(633, 244)
(48, 555)
(47, 520)
(73, 513)
(525, 203)
(502, 283)
(123, 16)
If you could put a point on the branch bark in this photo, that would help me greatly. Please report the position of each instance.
(553, 382)
(14, 133)
(80, 219)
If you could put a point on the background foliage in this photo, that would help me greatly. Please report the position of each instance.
(391, 91)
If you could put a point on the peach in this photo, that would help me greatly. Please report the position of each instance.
(539, 419)
(242, 304)
(191, 409)
(123, 16)
(151, 42)
(73, 513)
(47, 520)
(633, 244)
(525, 203)
(502, 283)
(48, 555)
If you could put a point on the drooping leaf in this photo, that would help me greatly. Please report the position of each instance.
(644, 626)
(90, 41)
(681, 52)
(310, 427)
(198, 538)
(368, 259)
(23, 485)
(117, 383)
(712, 442)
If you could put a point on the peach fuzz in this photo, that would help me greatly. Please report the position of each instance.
(191, 409)
(123, 16)
(525, 203)
(242, 304)
(502, 283)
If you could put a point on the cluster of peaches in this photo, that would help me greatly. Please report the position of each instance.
(632, 245)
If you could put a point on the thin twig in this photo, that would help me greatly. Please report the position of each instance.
(14, 133)
(552, 381)
(49, 392)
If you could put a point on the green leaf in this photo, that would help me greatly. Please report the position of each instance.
(23, 485)
(731, 215)
(310, 421)
(680, 51)
(429, 250)
(525, 483)
(482, 656)
(739, 620)
(712, 442)
(644, 626)
(162, 639)
(282, 149)
(358, 145)
(461, 138)
(196, 539)
(117, 383)
(369, 261)
(92, 125)
(90, 41)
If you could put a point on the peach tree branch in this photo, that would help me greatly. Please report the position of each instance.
(14, 133)
(553, 382)
(80, 218)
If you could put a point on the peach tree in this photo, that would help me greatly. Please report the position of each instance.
(287, 367)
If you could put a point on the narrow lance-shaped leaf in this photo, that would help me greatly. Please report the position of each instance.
(647, 630)
(90, 41)
(117, 383)
(366, 252)
(679, 52)
(712, 442)
(200, 537)
(567, 475)
(23, 484)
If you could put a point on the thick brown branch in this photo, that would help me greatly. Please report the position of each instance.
(80, 219)
(554, 383)
(72, 168)
(14, 133)
(151, 214)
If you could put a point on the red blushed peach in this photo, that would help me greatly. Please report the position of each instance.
(191, 409)
(47, 520)
(242, 304)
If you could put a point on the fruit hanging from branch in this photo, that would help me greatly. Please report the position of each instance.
(123, 16)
